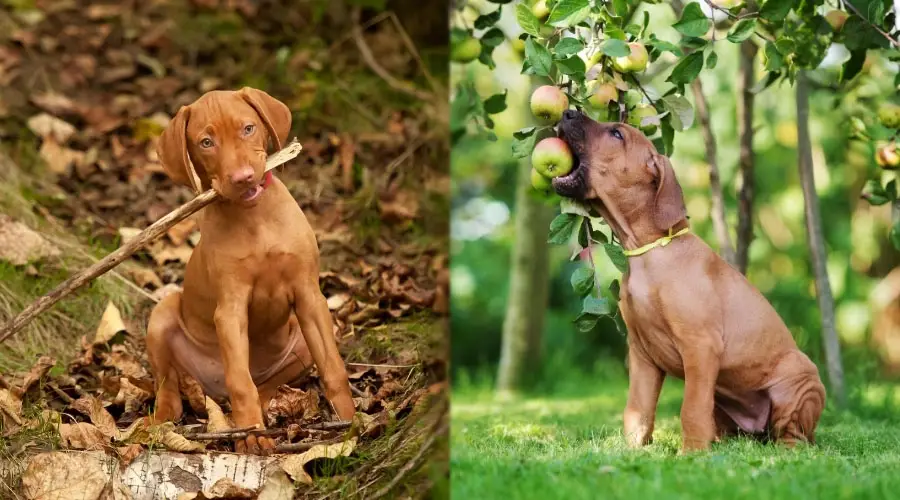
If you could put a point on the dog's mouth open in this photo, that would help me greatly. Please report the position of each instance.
(573, 184)
(256, 191)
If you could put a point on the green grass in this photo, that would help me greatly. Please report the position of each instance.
(570, 445)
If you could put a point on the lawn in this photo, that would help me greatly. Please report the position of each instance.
(569, 445)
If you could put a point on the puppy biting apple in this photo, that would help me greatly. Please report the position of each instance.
(552, 157)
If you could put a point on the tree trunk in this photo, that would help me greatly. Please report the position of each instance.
(817, 245)
(715, 184)
(529, 279)
(746, 80)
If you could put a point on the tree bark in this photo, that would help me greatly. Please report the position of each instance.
(817, 245)
(746, 80)
(715, 184)
(528, 288)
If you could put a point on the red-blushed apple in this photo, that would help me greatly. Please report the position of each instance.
(548, 103)
(634, 62)
(640, 112)
(887, 157)
(836, 18)
(552, 157)
(602, 93)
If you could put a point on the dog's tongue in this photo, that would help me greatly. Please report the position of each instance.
(252, 192)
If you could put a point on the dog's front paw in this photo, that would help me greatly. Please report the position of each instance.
(255, 445)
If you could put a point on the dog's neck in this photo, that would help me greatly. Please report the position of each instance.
(632, 229)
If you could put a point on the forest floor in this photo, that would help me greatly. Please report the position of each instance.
(570, 445)
(86, 91)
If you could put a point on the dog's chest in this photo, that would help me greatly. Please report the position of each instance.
(647, 326)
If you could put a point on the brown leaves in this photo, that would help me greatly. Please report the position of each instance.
(82, 436)
(20, 245)
(110, 325)
(289, 403)
(52, 476)
(293, 464)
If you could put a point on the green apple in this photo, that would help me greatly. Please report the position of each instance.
(594, 59)
(552, 157)
(602, 93)
(836, 18)
(464, 49)
(634, 62)
(540, 9)
(640, 112)
(889, 115)
(518, 46)
(887, 157)
(539, 182)
(548, 103)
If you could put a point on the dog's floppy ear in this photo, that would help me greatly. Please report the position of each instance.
(668, 207)
(173, 152)
(274, 113)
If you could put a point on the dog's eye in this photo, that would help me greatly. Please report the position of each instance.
(206, 143)
(249, 129)
(615, 133)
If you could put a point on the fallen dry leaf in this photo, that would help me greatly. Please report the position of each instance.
(289, 402)
(20, 245)
(143, 277)
(120, 359)
(217, 421)
(10, 406)
(130, 395)
(110, 324)
(277, 486)
(128, 453)
(162, 253)
(82, 436)
(293, 464)
(223, 488)
(46, 126)
(180, 232)
(59, 158)
(193, 392)
(93, 408)
(404, 206)
(60, 476)
(336, 301)
(37, 372)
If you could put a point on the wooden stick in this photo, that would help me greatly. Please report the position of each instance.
(146, 236)
(330, 426)
(296, 447)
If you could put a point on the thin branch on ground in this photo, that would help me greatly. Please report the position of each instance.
(379, 70)
(298, 447)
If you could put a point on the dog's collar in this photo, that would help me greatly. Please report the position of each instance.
(665, 240)
(267, 179)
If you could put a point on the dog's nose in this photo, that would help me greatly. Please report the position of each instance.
(570, 114)
(243, 175)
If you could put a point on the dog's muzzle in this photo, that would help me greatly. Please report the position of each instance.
(571, 129)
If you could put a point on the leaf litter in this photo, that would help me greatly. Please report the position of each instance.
(96, 113)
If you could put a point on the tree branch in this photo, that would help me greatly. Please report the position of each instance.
(816, 241)
(715, 185)
(746, 81)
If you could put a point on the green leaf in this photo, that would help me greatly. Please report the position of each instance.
(859, 34)
(570, 206)
(527, 21)
(620, 7)
(586, 322)
(492, 38)
(574, 65)
(854, 65)
(692, 42)
(693, 21)
(495, 103)
(615, 288)
(775, 10)
(595, 305)
(774, 61)
(687, 69)
(895, 235)
(569, 13)
(668, 136)
(563, 227)
(711, 60)
(657, 47)
(538, 57)
(617, 255)
(582, 281)
(614, 47)
(614, 32)
(874, 193)
(742, 30)
(485, 21)
(567, 47)
(522, 148)
(523, 133)
(682, 111)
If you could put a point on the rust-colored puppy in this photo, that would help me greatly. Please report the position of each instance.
(689, 314)
(251, 316)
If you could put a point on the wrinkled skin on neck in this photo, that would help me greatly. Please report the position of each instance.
(621, 176)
